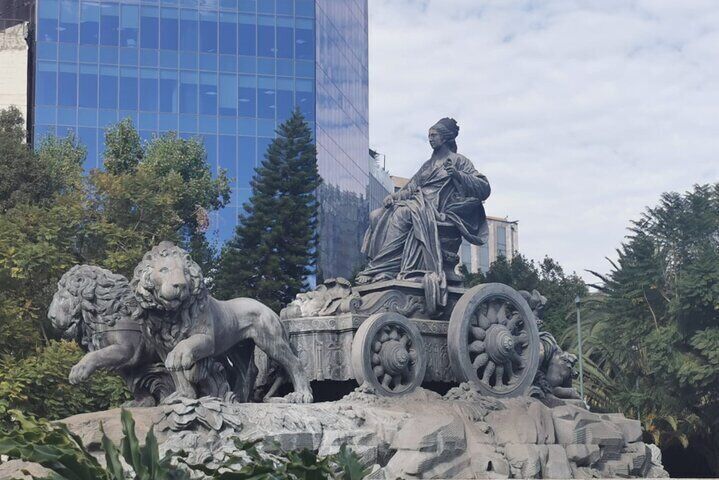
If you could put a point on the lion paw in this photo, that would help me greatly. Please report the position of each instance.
(79, 373)
(294, 397)
(179, 360)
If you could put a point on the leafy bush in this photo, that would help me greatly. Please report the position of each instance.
(56, 448)
(38, 385)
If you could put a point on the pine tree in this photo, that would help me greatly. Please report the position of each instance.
(275, 243)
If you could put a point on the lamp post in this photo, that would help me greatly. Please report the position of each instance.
(578, 302)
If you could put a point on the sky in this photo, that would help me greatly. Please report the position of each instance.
(580, 113)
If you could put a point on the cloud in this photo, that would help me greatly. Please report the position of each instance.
(581, 113)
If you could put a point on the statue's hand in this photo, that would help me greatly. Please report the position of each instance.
(389, 200)
(450, 167)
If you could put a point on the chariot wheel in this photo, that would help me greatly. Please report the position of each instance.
(388, 353)
(493, 340)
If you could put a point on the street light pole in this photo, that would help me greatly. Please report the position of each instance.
(577, 302)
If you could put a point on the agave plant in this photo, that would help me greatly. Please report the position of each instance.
(56, 448)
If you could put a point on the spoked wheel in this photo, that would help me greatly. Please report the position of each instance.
(493, 340)
(388, 354)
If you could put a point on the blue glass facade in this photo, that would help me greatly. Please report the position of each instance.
(227, 71)
(342, 132)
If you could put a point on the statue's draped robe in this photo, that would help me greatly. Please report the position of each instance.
(404, 238)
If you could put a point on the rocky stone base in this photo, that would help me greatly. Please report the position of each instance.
(424, 435)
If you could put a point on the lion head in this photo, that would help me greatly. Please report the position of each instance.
(561, 369)
(86, 296)
(167, 279)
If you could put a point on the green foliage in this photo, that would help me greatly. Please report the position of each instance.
(56, 448)
(38, 384)
(275, 245)
(158, 192)
(37, 244)
(295, 465)
(547, 277)
(53, 216)
(123, 148)
(653, 331)
(51, 445)
(144, 460)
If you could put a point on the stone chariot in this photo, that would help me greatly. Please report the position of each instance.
(387, 336)
(409, 321)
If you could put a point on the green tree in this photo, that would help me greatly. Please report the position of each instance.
(653, 331)
(38, 384)
(158, 191)
(52, 217)
(547, 277)
(26, 177)
(275, 244)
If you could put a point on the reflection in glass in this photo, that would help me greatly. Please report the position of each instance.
(88, 86)
(128, 88)
(90, 23)
(129, 25)
(67, 84)
(169, 28)
(109, 23)
(150, 27)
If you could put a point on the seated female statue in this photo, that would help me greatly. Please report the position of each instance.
(404, 237)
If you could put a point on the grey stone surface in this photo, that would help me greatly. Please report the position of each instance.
(190, 329)
(583, 455)
(166, 335)
(419, 230)
(19, 470)
(98, 309)
(420, 435)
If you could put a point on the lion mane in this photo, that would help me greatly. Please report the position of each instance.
(171, 325)
(102, 298)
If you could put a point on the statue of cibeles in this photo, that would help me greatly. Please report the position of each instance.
(420, 228)
(98, 309)
(189, 327)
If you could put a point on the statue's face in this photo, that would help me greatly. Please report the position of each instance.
(64, 313)
(435, 139)
(172, 281)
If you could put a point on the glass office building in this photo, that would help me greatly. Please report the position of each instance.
(227, 71)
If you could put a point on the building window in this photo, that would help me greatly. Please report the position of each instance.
(465, 255)
(484, 258)
(501, 241)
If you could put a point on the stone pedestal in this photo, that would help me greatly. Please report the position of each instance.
(421, 435)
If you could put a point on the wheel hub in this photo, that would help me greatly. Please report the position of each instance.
(394, 357)
(499, 343)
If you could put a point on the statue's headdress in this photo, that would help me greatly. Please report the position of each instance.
(448, 128)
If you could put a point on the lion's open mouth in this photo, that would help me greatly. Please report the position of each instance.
(71, 330)
(172, 304)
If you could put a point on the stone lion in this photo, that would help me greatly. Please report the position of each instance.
(188, 325)
(98, 309)
(556, 367)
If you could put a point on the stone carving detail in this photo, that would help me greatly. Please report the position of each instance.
(188, 327)
(333, 296)
(98, 309)
(417, 233)
(556, 367)
(392, 301)
(209, 413)
(463, 434)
